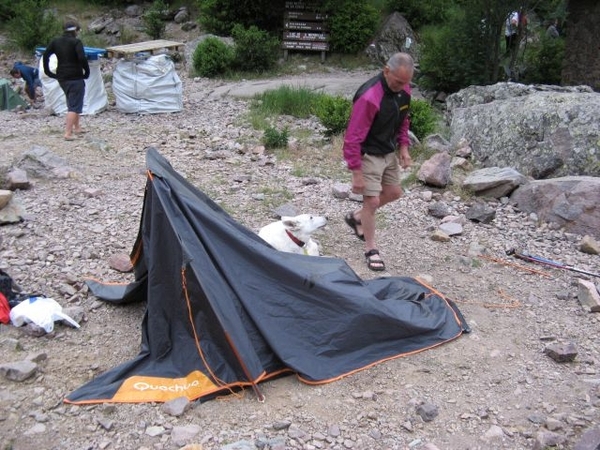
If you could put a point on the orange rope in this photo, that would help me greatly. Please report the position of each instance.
(518, 266)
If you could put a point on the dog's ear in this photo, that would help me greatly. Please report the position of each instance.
(290, 223)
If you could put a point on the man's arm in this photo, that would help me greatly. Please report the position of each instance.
(83, 60)
(46, 60)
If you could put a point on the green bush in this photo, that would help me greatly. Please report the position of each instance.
(33, 25)
(273, 138)
(419, 12)
(423, 118)
(543, 61)
(333, 113)
(212, 57)
(220, 16)
(255, 49)
(352, 25)
(154, 19)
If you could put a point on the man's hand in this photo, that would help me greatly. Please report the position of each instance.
(404, 158)
(358, 182)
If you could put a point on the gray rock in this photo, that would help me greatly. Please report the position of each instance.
(541, 131)
(18, 371)
(395, 35)
(494, 182)
(480, 212)
(427, 411)
(569, 202)
(590, 440)
(562, 352)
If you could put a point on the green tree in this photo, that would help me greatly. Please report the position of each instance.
(220, 16)
(352, 24)
(154, 19)
(33, 24)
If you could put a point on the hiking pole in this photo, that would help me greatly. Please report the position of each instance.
(548, 262)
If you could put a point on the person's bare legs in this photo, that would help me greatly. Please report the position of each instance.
(366, 215)
(76, 126)
(71, 121)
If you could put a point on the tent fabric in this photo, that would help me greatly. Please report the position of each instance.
(95, 99)
(225, 310)
(147, 86)
(9, 99)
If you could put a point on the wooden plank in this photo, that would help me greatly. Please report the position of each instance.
(302, 45)
(302, 36)
(140, 47)
(309, 26)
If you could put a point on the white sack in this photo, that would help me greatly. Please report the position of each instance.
(147, 86)
(95, 99)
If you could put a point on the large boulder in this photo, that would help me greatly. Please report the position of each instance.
(569, 202)
(541, 131)
(395, 35)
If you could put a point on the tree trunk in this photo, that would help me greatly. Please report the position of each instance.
(582, 46)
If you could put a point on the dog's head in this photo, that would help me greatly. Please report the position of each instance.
(303, 225)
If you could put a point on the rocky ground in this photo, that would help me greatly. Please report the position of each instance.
(494, 388)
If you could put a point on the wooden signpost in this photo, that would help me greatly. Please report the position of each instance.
(305, 28)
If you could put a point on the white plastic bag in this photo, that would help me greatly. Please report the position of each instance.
(42, 311)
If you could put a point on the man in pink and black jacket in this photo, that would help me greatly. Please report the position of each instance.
(377, 128)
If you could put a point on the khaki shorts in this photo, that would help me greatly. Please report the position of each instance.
(379, 170)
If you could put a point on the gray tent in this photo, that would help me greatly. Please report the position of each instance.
(226, 311)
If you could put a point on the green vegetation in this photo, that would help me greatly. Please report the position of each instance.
(255, 50)
(274, 138)
(352, 25)
(32, 25)
(154, 19)
(333, 113)
(212, 57)
(423, 118)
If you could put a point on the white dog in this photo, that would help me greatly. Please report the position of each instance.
(293, 234)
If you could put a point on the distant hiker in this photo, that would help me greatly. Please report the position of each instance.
(376, 145)
(552, 30)
(31, 77)
(71, 71)
(511, 29)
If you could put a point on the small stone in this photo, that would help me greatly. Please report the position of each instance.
(561, 352)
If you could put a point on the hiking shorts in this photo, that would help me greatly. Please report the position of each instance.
(74, 91)
(379, 170)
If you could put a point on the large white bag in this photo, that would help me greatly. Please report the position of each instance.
(95, 99)
(147, 86)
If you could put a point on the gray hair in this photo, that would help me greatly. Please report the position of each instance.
(401, 59)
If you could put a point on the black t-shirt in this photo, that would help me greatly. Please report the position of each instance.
(71, 61)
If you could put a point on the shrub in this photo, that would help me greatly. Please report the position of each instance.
(419, 12)
(423, 118)
(212, 57)
(33, 25)
(333, 113)
(154, 19)
(273, 138)
(543, 61)
(352, 25)
(220, 16)
(255, 49)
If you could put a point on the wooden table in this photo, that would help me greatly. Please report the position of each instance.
(152, 47)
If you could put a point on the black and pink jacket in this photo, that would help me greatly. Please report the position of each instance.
(379, 121)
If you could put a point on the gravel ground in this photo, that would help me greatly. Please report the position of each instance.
(494, 388)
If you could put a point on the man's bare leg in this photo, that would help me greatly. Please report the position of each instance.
(71, 120)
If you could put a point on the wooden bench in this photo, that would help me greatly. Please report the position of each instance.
(151, 47)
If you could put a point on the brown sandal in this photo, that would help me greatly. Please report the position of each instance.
(376, 265)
